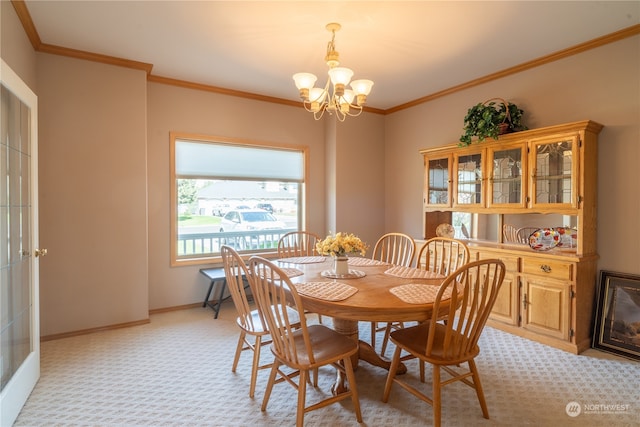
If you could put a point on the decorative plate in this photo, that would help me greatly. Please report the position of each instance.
(568, 237)
(544, 239)
(445, 230)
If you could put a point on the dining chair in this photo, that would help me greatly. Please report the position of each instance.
(396, 249)
(248, 320)
(297, 244)
(466, 298)
(304, 349)
(441, 255)
(523, 233)
(510, 234)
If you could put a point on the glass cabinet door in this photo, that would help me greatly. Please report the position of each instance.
(438, 181)
(507, 166)
(469, 173)
(554, 165)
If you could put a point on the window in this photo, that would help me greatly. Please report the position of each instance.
(244, 194)
(463, 224)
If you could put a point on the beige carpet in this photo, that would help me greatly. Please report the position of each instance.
(176, 371)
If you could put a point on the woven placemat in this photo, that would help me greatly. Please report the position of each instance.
(330, 291)
(292, 272)
(303, 260)
(366, 262)
(412, 273)
(288, 271)
(418, 293)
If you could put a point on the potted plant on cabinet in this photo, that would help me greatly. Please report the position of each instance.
(489, 119)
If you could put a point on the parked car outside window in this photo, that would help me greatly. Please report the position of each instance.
(266, 206)
(250, 219)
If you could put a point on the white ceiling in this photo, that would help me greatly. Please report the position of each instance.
(409, 49)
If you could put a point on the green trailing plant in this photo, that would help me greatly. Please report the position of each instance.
(490, 119)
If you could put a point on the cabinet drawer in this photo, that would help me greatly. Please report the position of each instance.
(548, 268)
(510, 262)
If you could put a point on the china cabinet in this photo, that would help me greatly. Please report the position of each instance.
(548, 173)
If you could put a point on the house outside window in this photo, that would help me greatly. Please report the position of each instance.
(244, 194)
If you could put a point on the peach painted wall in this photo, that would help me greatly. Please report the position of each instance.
(15, 47)
(360, 178)
(602, 85)
(93, 194)
(185, 110)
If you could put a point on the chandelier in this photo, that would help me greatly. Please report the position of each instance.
(335, 97)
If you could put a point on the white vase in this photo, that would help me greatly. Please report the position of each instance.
(341, 266)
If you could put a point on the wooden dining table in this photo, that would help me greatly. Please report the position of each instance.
(373, 298)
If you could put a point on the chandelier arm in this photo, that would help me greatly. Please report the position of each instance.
(359, 111)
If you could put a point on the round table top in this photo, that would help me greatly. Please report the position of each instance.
(373, 300)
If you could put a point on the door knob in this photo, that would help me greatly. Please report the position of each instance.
(40, 252)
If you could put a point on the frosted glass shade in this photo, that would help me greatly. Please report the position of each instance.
(362, 87)
(340, 75)
(348, 96)
(317, 94)
(304, 80)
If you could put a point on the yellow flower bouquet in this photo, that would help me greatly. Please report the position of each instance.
(340, 245)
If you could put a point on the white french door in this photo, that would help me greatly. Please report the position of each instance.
(19, 304)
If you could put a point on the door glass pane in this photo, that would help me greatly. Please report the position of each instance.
(15, 264)
(507, 176)
(438, 182)
(553, 172)
(469, 179)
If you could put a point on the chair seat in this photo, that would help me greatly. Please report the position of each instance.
(414, 340)
(327, 346)
(252, 323)
(254, 326)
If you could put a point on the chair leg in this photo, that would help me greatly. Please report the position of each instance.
(272, 380)
(421, 363)
(254, 367)
(437, 400)
(302, 394)
(351, 377)
(374, 326)
(395, 362)
(385, 339)
(478, 387)
(239, 347)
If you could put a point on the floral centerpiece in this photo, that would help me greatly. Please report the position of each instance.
(340, 245)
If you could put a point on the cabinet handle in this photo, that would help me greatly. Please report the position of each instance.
(524, 302)
(545, 268)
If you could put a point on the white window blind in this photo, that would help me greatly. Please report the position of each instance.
(227, 161)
